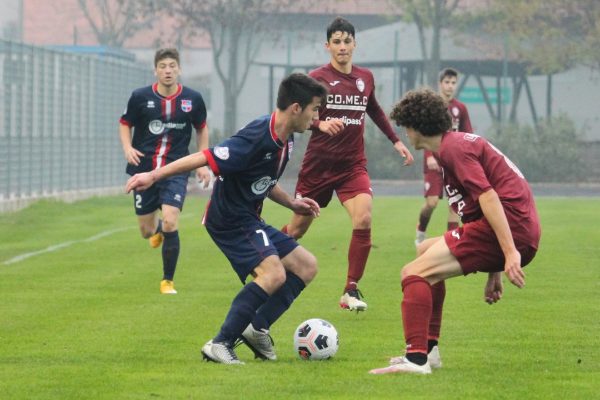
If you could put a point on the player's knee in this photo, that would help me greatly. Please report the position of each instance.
(411, 269)
(277, 277)
(169, 224)
(363, 221)
(431, 203)
(310, 268)
(147, 231)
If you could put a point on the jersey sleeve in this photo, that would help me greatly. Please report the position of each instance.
(230, 156)
(464, 162)
(199, 113)
(129, 116)
(465, 121)
(376, 113)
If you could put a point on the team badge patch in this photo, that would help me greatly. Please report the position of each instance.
(360, 84)
(455, 111)
(221, 152)
(471, 137)
(186, 105)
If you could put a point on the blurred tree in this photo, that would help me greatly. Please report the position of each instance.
(434, 14)
(236, 29)
(114, 21)
(553, 35)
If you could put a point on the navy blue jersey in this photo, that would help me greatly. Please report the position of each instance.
(162, 126)
(247, 166)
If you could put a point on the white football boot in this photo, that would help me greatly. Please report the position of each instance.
(220, 353)
(403, 366)
(260, 342)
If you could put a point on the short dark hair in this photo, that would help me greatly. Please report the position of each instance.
(448, 72)
(340, 24)
(169, 52)
(424, 111)
(299, 88)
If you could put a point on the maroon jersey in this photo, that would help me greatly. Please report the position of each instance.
(460, 116)
(471, 166)
(350, 97)
(460, 123)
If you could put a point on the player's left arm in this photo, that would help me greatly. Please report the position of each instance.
(494, 213)
(301, 206)
(376, 113)
(493, 288)
(465, 121)
(203, 173)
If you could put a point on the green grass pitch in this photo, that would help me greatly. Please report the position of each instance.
(81, 316)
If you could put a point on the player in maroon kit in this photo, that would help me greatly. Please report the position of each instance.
(500, 232)
(335, 157)
(432, 174)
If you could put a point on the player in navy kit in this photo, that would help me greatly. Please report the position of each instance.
(248, 166)
(162, 116)
(335, 157)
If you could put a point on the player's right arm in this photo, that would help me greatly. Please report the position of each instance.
(331, 127)
(430, 160)
(132, 155)
(140, 182)
(494, 213)
(301, 206)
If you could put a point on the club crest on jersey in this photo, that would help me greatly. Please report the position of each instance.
(455, 111)
(221, 152)
(186, 105)
(360, 84)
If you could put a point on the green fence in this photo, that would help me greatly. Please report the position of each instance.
(59, 116)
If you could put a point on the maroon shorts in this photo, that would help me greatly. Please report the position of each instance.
(476, 248)
(346, 185)
(434, 184)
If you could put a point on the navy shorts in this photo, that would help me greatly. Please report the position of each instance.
(247, 245)
(170, 191)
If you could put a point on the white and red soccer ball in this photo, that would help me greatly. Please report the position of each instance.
(316, 339)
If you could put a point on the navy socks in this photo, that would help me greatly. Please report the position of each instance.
(170, 254)
(242, 311)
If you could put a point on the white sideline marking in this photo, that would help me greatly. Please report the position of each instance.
(63, 245)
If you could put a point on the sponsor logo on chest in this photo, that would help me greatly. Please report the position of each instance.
(156, 127)
(261, 185)
(347, 100)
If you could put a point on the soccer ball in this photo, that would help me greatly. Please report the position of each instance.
(316, 339)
